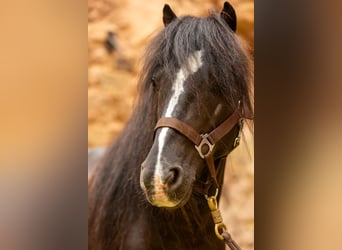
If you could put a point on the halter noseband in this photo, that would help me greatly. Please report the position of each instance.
(205, 143)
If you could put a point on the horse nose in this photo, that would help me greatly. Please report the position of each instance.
(166, 179)
(173, 178)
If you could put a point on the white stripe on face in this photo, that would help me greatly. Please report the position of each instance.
(193, 63)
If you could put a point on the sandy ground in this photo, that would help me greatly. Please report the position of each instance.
(112, 83)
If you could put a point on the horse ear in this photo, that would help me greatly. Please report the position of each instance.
(168, 15)
(229, 16)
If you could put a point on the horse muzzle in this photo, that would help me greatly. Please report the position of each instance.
(164, 185)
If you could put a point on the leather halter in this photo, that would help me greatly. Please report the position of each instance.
(205, 143)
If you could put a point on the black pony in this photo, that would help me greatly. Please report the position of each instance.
(143, 194)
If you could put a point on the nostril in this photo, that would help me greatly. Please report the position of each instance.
(171, 177)
(174, 177)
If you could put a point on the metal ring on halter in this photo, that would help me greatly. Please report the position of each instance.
(204, 142)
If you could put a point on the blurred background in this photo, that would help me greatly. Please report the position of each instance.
(118, 32)
(44, 92)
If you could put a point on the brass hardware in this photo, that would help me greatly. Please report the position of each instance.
(216, 215)
(218, 227)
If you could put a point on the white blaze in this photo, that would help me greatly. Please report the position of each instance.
(193, 63)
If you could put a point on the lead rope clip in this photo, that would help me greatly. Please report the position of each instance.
(216, 215)
(220, 228)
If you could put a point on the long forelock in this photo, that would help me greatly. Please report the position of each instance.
(226, 64)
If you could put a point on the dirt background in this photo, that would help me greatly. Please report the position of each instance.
(112, 85)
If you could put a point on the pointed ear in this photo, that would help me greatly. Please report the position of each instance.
(229, 16)
(168, 15)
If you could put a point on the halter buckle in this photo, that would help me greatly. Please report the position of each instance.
(205, 142)
(238, 138)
